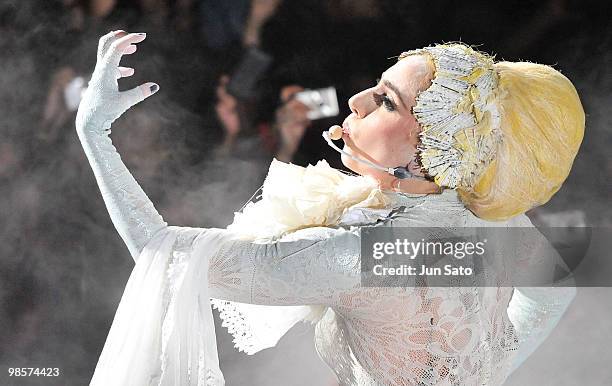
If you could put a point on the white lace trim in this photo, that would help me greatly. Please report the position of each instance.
(236, 325)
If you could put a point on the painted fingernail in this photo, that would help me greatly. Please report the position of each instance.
(154, 88)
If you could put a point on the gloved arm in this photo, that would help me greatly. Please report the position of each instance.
(535, 311)
(131, 211)
(309, 266)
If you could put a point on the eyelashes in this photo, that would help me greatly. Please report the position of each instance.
(383, 100)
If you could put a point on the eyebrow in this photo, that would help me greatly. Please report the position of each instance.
(392, 87)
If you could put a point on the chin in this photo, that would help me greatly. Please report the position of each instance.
(349, 162)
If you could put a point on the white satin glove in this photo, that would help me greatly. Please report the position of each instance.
(131, 211)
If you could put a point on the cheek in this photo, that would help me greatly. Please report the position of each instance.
(393, 137)
(381, 127)
(396, 131)
(388, 138)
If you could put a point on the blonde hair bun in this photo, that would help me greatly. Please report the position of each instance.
(542, 123)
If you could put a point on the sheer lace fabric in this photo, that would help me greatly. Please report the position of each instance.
(377, 336)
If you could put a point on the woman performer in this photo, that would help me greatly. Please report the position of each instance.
(447, 138)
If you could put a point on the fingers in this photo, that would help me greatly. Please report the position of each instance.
(298, 108)
(123, 72)
(106, 40)
(222, 87)
(224, 98)
(293, 114)
(224, 80)
(136, 95)
(298, 112)
(123, 46)
(129, 49)
(111, 48)
(288, 92)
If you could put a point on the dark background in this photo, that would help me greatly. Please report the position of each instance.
(63, 267)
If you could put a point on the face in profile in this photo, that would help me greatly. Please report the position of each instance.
(381, 127)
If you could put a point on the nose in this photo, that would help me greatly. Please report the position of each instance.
(362, 104)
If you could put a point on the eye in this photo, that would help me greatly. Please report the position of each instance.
(383, 99)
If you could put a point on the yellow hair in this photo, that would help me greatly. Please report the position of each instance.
(542, 122)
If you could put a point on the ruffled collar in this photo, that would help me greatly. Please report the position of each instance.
(295, 197)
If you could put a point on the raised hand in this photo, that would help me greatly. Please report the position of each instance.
(226, 108)
(103, 103)
(291, 122)
(131, 211)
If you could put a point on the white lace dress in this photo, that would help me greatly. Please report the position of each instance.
(163, 332)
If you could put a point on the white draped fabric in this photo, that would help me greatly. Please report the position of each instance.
(163, 331)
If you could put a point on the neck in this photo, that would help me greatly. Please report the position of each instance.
(410, 185)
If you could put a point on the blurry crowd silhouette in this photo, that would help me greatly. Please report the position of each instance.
(200, 151)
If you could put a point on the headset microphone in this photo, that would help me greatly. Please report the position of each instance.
(400, 172)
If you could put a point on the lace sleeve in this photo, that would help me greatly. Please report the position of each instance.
(309, 267)
(535, 311)
(131, 211)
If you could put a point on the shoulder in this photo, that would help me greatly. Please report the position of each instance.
(520, 221)
(320, 233)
